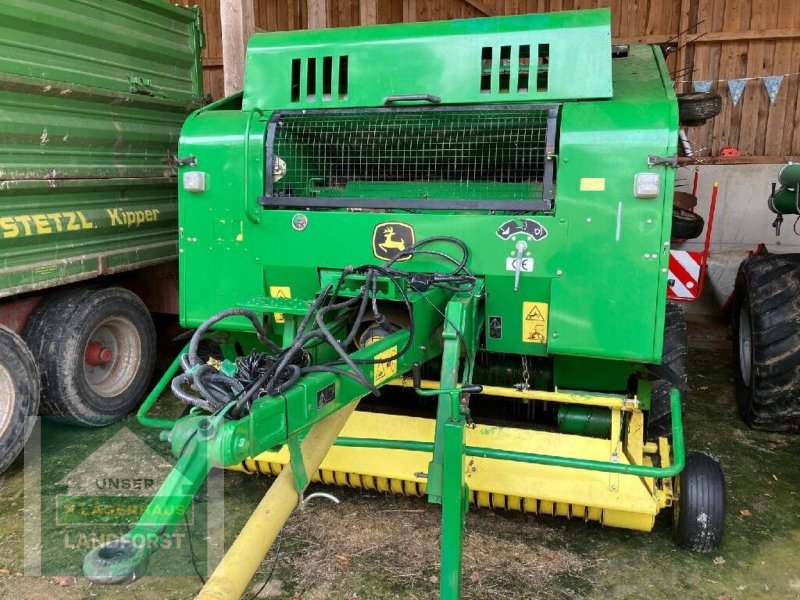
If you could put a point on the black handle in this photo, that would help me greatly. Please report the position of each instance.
(472, 388)
(412, 98)
(416, 375)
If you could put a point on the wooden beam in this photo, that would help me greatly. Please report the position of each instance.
(733, 160)
(714, 37)
(753, 34)
(409, 11)
(238, 24)
(368, 12)
(317, 14)
(643, 39)
(481, 7)
(683, 24)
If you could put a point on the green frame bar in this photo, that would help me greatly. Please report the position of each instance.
(554, 461)
(151, 399)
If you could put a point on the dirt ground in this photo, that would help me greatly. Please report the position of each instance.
(375, 546)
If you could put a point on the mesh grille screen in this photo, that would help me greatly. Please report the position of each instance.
(414, 154)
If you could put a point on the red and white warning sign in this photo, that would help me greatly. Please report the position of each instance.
(684, 276)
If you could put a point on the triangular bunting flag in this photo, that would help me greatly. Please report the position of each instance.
(735, 88)
(702, 86)
(773, 84)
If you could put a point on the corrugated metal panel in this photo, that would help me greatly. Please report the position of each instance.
(46, 133)
(93, 95)
(105, 44)
(57, 232)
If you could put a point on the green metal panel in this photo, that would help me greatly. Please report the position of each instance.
(449, 59)
(600, 271)
(92, 99)
(609, 300)
(78, 229)
(149, 47)
(88, 133)
(605, 298)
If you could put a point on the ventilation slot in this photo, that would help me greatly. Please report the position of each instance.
(486, 70)
(311, 79)
(505, 69)
(295, 91)
(327, 74)
(342, 78)
(543, 65)
(512, 69)
(524, 68)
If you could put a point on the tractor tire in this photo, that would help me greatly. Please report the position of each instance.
(697, 107)
(96, 353)
(698, 510)
(19, 396)
(675, 356)
(766, 342)
(686, 225)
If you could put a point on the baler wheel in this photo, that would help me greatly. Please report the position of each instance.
(686, 225)
(696, 108)
(698, 512)
(19, 395)
(659, 417)
(766, 342)
(96, 351)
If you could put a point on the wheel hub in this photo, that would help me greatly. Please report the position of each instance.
(112, 357)
(97, 354)
(745, 344)
(8, 394)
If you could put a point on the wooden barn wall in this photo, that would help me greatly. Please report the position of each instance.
(718, 40)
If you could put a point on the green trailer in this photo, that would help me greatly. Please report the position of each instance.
(92, 99)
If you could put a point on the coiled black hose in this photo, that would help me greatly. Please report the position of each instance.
(277, 370)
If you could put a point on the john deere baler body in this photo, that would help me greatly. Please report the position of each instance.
(452, 207)
(599, 267)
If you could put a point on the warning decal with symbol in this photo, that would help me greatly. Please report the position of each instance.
(534, 322)
(385, 370)
(280, 291)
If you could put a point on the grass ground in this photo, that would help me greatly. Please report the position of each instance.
(374, 546)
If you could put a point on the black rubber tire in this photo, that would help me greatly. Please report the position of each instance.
(675, 356)
(58, 333)
(696, 108)
(686, 225)
(18, 375)
(767, 302)
(698, 510)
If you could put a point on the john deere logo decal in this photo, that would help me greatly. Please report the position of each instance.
(389, 239)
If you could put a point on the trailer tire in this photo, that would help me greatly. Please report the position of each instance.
(698, 511)
(19, 396)
(766, 342)
(96, 352)
(695, 108)
(686, 225)
(675, 356)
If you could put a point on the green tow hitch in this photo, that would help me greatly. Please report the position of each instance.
(203, 442)
(126, 559)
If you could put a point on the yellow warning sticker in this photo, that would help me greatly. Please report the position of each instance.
(593, 184)
(534, 322)
(280, 291)
(385, 370)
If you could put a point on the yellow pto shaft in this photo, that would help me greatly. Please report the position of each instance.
(229, 580)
